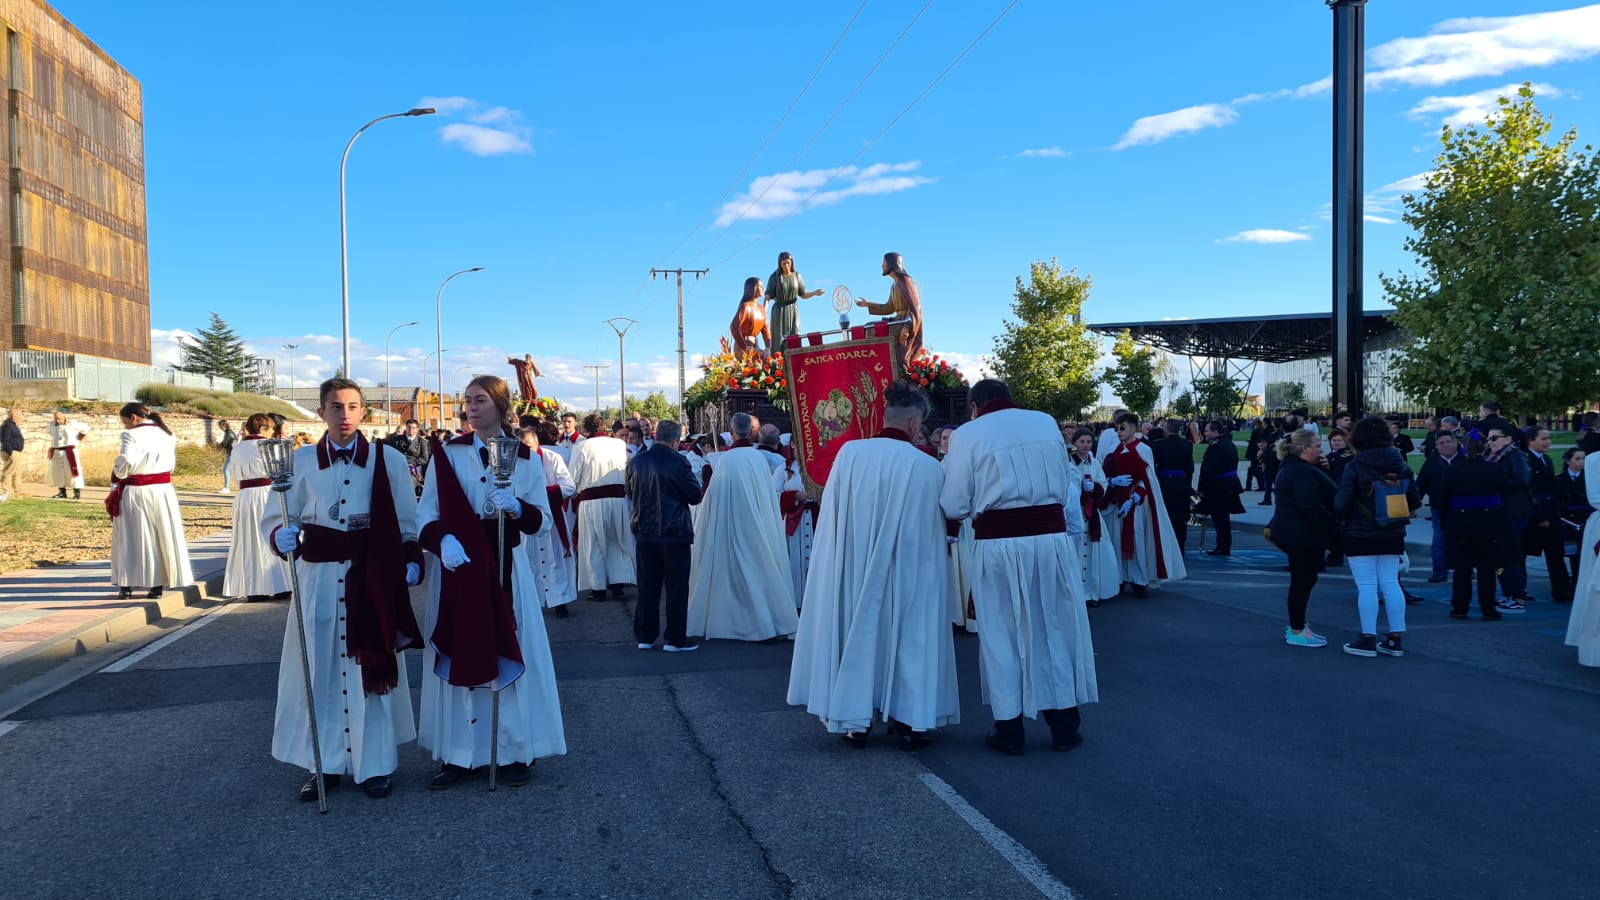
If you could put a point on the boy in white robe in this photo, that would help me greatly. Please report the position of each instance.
(66, 470)
(1147, 548)
(600, 512)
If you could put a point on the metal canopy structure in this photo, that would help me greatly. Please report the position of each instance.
(1256, 338)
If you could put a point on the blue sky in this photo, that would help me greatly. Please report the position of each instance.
(1176, 152)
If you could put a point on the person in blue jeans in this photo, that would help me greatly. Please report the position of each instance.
(1446, 454)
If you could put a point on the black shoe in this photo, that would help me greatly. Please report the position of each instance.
(1219, 552)
(616, 591)
(1140, 590)
(1365, 645)
(155, 593)
(1265, 503)
(1390, 646)
(308, 791)
(1461, 614)
(447, 777)
(77, 494)
(994, 741)
(1067, 743)
(125, 593)
(515, 774)
(1438, 579)
(1092, 604)
(856, 740)
(257, 598)
(282, 595)
(378, 786)
(1526, 597)
(560, 612)
(1411, 599)
(60, 495)
(597, 596)
(916, 740)
(1491, 615)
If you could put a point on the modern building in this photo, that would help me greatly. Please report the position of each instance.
(77, 294)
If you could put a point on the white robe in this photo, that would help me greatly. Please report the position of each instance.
(605, 542)
(697, 465)
(1583, 624)
(958, 560)
(739, 585)
(875, 635)
(1035, 649)
(456, 721)
(148, 546)
(253, 568)
(1102, 576)
(1142, 568)
(70, 434)
(358, 732)
(800, 543)
(556, 566)
(1105, 443)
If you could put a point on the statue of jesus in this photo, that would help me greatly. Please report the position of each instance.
(526, 372)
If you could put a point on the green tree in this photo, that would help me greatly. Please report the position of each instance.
(1217, 394)
(1285, 395)
(1047, 356)
(217, 351)
(1134, 375)
(1506, 302)
(1183, 405)
(655, 405)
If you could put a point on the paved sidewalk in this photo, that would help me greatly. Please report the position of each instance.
(53, 614)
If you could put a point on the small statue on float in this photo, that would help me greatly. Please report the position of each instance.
(750, 321)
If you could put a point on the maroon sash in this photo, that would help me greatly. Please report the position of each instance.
(114, 499)
(1126, 461)
(255, 482)
(602, 492)
(1020, 521)
(72, 457)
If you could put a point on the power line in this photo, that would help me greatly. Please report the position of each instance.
(813, 139)
(875, 138)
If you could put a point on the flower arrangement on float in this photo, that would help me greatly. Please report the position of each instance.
(751, 371)
(543, 407)
(933, 373)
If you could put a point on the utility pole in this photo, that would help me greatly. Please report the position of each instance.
(622, 372)
(698, 274)
(597, 369)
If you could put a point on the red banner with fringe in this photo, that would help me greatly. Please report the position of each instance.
(836, 394)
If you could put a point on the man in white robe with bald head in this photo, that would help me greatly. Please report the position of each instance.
(1007, 471)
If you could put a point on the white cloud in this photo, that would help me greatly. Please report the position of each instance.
(1408, 185)
(974, 366)
(1459, 49)
(776, 196)
(1154, 129)
(1381, 220)
(1053, 152)
(1265, 236)
(164, 349)
(492, 130)
(1471, 109)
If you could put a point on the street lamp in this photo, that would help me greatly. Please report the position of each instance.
(456, 383)
(344, 250)
(438, 322)
(622, 372)
(438, 401)
(291, 349)
(388, 389)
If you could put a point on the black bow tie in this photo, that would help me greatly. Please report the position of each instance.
(343, 455)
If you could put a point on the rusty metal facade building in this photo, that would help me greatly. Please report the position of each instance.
(74, 198)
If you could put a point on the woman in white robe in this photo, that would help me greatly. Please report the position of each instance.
(455, 719)
(254, 570)
(550, 552)
(1102, 576)
(148, 546)
(799, 518)
(1583, 626)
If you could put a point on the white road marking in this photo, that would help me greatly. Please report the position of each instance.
(1020, 857)
(8, 726)
(138, 656)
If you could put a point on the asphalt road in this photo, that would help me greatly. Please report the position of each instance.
(1220, 763)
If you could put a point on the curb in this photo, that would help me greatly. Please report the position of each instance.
(42, 657)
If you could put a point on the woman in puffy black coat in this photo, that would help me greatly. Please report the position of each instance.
(1302, 526)
(1373, 539)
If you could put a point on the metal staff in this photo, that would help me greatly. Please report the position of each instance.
(278, 455)
(502, 463)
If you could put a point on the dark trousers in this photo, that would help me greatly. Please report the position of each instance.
(1461, 585)
(1269, 473)
(1547, 541)
(1305, 561)
(1514, 570)
(1175, 497)
(662, 567)
(1064, 723)
(1223, 523)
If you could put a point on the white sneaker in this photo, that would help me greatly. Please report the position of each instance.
(686, 648)
(4, 497)
(644, 646)
(1510, 608)
(224, 491)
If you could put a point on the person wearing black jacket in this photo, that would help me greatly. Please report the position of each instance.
(1470, 496)
(1589, 438)
(1446, 454)
(1489, 418)
(1543, 534)
(1302, 527)
(1260, 440)
(1174, 459)
(1501, 449)
(1573, 493)
(1402, 441)
(660, 488)
(1373, 536)
(1219, 485)
(10, 445)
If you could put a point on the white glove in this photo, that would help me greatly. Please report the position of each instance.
(286, 539)
(451, 554)
(505, 501)
(952, 540)
(1121, 480)
(1125, 508)
(413, 573)
(1088, 485)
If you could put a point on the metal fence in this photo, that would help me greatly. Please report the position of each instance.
(92, 378)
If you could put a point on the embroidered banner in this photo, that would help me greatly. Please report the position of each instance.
(836, 395)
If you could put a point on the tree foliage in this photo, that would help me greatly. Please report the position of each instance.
(1286, 395)
(1217, 394)
(1047, 356)
(1506, 302)
(1184, 405)
(218, 351)
(655, 405)
(1134, 375)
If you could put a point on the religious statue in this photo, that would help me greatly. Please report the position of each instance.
(904, 303)
(526, 372)
(750, 321)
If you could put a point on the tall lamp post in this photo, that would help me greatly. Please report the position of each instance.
(455, 381)
(344, 247)
(438, 401)
(622, 371)
(291, 349)
(438, 325)
(388, 387)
